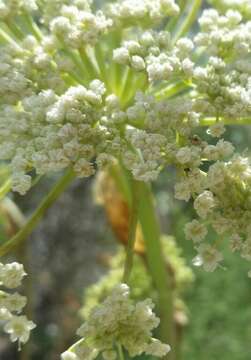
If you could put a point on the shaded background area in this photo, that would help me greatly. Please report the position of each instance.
(70, 250)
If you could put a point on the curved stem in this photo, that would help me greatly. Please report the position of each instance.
(132, 232)
(22, 234)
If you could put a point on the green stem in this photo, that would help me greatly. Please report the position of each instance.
(132, 232)
(211, 121)
(120, 352)
(32, 26)
(88, 64)
(15, 30)
(5, 188)
(5, 37)
(156, 263)
(79, 74)
(101, 61)
(127, 89)
(155, 260)
(22, 234)
(171, 90)
(190, 15)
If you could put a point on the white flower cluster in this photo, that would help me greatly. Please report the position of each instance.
(118, 321)
(223, 202)
(11, 304)
(50, 132)
(154, 53)
(243, 6)
(26, 69)
(77, 28)
(51, 9)
(223, 86)
(143, 12)
(224, 89)
(10, 8)
(224, 35)
(156, 145)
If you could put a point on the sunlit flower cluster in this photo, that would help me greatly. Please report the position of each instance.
(118, 322)
(155, 54)
(12, 303)
(243, 6)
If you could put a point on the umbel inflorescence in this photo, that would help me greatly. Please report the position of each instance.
(12, 303)
(82, 87)
(118, 322)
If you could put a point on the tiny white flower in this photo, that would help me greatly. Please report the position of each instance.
(184, 155)
(12, 274)
(217, 129)
(19, 328)
(182, 190)
(195, 231)
(4, 314)
(208, 257)
(204, 203)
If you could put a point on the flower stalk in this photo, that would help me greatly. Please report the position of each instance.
(27, 229)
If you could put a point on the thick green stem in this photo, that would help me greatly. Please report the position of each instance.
(156, 263)
(132, 232)
(120, 352)
(155, 260)
(22, 235)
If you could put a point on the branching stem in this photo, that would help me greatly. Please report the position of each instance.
(23, 234)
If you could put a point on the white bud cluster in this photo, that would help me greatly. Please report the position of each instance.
(118, 321)
(243, 6)
(10, 8)
(224, 35)
(53, 132)
(12, 304)
(224, 89)
(76, 28)
(51, 9)
(155, 146)
(143, 12)
(154, 54)
(225, 204)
